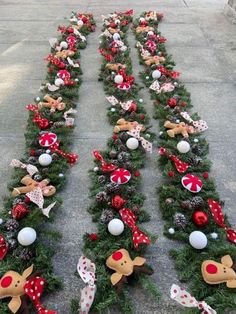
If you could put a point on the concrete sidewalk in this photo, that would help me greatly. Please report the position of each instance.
(203, 44)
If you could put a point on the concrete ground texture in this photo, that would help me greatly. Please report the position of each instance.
(203, 44)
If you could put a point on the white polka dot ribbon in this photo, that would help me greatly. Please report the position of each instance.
(186, 299)
(69, 120)
(31, 169)
(86, 270)
(199, 126)
(124, 105)
(136, 133)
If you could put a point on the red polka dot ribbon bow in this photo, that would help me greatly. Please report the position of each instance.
(179, 164)
(129, 219)
(217, 214)
(184, 298)
(136, 133)
(199, 126)
(86, 270)
(71, 157)
(34, 289)
(105, 167)
(42, 123)
(3, 247)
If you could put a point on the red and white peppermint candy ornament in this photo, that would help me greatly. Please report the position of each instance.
(120, 176)
(124, 86)
(63, 74)
(192, 183)
(47, 139)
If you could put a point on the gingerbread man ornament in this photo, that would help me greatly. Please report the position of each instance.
(53, 104)
(181, 128)
(215, 273)
(123, 125)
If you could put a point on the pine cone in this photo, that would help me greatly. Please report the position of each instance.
(131, 189)
(32, 160)
(180, 220)
(123, 157)
(169, 201)
(196, 149)
(102, 179)
(59, 124)
(128, 165)
(113, 154)
(194, 161)
(133, 114)
(17, 201)
(101, 197)
(122, 112)
(197, 202)
(37, 177)
(112, 188)
(122, 148)
(39, 152)
(123, 137)
(26, 254)
(12, 225)
(186, 204)
(12, 244)
(107, 216)
(55, 156)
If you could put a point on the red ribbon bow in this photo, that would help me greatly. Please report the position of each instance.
(217, 214)
(108, 57)
(127, 78)
(172, 74)
(55, 61)
(72, 158)
(129, 219)
(105, 167)
(3, 247)
(34, 289)
(43, 123)
(180, 165)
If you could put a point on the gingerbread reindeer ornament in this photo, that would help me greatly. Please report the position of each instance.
(215, 273)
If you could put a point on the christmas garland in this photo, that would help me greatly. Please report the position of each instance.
(26, 242)
(112, 255)
(207, 260)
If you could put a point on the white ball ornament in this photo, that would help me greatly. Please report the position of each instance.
(113, 109)
(37, 98)
(132, 143)
(142, 19)
(80, 23)
(171, 231)
(214, 235)
(198, 240)
(116, 36)
(140, 100)
(59, 82)
(95, 169)
(45, 160)
(150, 33)
(118, 79)
(63, 44)
(1, 221)
(196, 140)
(183, 147)
(156, 74)
(117, 22)
(116, 227)
(26, 236)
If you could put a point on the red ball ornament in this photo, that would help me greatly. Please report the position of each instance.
(183, 104)
(136, 173)
(117, 202)
(172, 102)
(32, 152)
(19, 211)
(93, 236)
(133, 107)
(142, 116)
(115, 137)
(171, 174)
(27, 200)
(200, 218)
(205, 175)
(43, 124)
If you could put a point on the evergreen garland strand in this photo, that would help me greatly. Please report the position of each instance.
(98, 247)
(42, 120)
(173, 197)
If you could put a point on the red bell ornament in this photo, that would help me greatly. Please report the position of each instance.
(200, 218)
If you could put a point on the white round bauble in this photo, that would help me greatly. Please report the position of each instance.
(45, 160)
(80, 23)
(117, 22)
(150, 33)
(140, 100)
(116, 36)
(63, 44)
(113, 109)
(116, 227)
(132, 143)
(37, 98)
(61, 175)
(198, 240)
(214, 235)
(177, 121)
(1, 221)
(48, 151)
(147, 77)
(196, 140)
(26, 236)
(183, 147)
(118, 79)
(171, 231)
(95, 169)
(142, 19)
(156, 74)
(59, 82)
